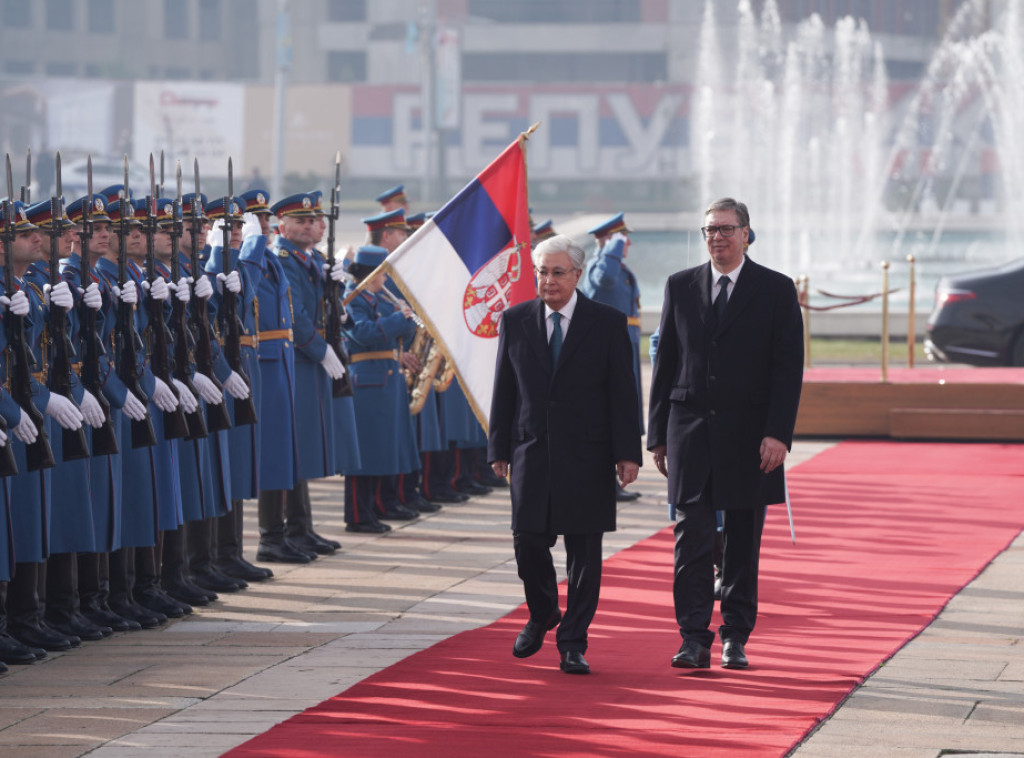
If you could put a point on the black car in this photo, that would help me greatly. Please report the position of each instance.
(979, 318)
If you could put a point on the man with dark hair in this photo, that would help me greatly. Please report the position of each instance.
(724, 397)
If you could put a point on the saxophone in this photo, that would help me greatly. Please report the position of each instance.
(429, 355)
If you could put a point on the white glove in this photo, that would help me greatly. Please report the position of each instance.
(91, 296)
(336, 272)
(127, 293)
(133, 407)
(181, 289)
(3, 438)
(157, 289)
(235, 386)
(250, 225)
(215, 237)
(64, 412)
(232, 281)
(185, 397)
(59, 295)
(91, 410)
(26, 430)
(17, 303)
(619, 236)
(163, 396)
(203, 288)
(207, 389)
(332, 364)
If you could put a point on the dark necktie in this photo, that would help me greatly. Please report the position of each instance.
(556, 337)
(723, 297)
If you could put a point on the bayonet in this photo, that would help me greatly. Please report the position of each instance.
(26, 191)
(333, 309)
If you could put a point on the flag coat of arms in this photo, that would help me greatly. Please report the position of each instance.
(469, 263)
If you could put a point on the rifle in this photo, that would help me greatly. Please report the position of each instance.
(26, 190)
(245, 410)
(181, 334)
(126, 336)
(175, 425)
(75, 446)
(104, 438)
(332, 294)
(38, 455)
(217, 418)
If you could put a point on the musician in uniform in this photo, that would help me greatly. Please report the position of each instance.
(607, 279)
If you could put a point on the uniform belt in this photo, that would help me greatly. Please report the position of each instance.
(633, 321)
(275, 334)
(248, 340)
(40, 376)
(321, 332)
(378, 355)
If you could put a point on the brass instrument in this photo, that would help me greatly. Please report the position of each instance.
(428, 353)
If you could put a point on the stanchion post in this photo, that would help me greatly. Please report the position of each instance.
(911, 336)
(885, 321)
(802, 294)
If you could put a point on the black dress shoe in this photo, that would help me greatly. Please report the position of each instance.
(573, 662)
(216, 581)
(145, 618)
(156, 599)
(77, 625)
(398, 512)
(692, 655)
(422, 505)
(311, 542)
(187, 593)
(733, 655)
(14, 652)
(368, 527)
(239, 568)
(622, 496)
(103, 616)
(282, 551)
(469, 487)
(326, 540)
(447, 495)
(531, 638)
(37, 635)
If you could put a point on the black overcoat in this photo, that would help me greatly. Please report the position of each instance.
(562, 430)
(719, 388)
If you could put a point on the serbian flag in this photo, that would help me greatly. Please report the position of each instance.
(467, 264)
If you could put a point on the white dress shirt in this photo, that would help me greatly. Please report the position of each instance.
(716, 277)
(566, 311)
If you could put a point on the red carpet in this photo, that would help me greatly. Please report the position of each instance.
(928, 374)
(886, 534)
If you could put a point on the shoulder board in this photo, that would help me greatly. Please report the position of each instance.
(282, 252)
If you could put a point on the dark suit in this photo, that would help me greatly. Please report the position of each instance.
(562, 429)
(718, 389)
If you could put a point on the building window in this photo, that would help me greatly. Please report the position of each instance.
(346, 10)
(60, 15)
(346, 66)
(16, 13)
(100, 16)
(19, 67)
(61, 68)
(565, 67)
(558, 11)
(210, 20)
(175, 19)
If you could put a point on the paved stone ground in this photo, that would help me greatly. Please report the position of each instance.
(202, 685)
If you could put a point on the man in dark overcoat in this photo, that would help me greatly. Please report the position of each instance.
(564, 423)
(724, 397)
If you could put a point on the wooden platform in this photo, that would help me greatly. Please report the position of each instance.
(925, 403)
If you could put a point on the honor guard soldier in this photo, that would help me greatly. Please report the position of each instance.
(607, 279)
(316, 363)
(381, 400)
(393, 199)
(542, 231)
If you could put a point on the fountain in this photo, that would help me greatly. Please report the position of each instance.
(837, 171)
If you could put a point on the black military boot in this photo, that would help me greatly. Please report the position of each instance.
(228, 540)
(199, 536)
(62, 611)
(274, 546)
(94, 592)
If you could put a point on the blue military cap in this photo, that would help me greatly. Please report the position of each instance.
(750, 236)
(388, 220)
(97, 210)
(414, 222)
(616, 223)
(116, 208)
(112, 193)
(188, 206)
(256, 201)
(165, 214)
(39, 215)
(544, 230)
(19, 220)
(370, 255)
(318, 202)
(300, 204)
(215, 209)
(396, 194)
